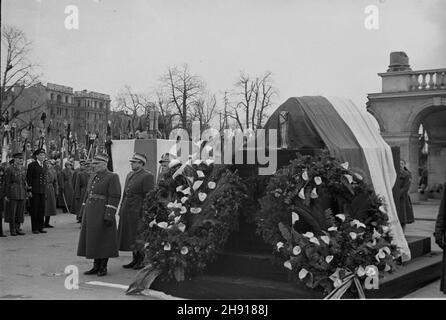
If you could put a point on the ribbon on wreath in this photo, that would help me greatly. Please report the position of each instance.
(342, 285)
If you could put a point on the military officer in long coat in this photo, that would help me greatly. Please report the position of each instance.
(51, 192)
(67, 174)
(440, 236)
(137, 184)
(15, 194)
(99, 238)
(35, 177)
(80, 187)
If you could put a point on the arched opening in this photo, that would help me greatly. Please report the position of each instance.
(430, 125)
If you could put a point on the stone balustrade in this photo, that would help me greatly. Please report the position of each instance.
(409, 81)
(428, 80)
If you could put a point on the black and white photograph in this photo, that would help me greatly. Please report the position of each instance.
(244, 150)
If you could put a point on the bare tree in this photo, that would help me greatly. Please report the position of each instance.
(132, 104)
(253, 99)
(205, 109)
(166, 113)
(183, 90)
(17, 72)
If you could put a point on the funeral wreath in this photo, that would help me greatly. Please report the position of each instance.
(187, 220)
(326, 225)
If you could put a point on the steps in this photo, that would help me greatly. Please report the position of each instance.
(241, 275)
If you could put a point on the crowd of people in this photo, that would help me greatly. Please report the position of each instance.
(40, 188)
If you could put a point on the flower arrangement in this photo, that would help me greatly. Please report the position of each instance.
(187, 220)
(326, 225)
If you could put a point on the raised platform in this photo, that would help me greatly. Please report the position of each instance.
(241, 275)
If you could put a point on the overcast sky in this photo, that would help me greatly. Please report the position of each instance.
(311, 47)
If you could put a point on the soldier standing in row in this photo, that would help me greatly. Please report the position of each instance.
(52, 189)
(35, 177)
(15, 189)
(98, 239)
(137, 184)
(2, 196)
(67, 175)
(80, 187)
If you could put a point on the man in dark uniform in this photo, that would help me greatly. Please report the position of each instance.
(80, 187)
(35, 176)
(440, 236)
(137, 184)
(67, 175)
(15, 190)
(98, 239)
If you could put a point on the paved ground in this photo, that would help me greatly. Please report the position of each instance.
(33, 266)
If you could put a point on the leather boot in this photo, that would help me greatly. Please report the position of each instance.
(95, 269)
(140, 261)
(131, 264)
(12, 229)
(103, 267)
(1, 228)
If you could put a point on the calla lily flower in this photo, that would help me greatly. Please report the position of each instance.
(326, 239)
(170, 205)
(167, 247)
(305, 175)
(302, 194)
(179, 188)
(197, 185)
(328, 259)
(202, 196)
(349, 178)
(171, 215)
(177, 219)
(308, 235)
(297, 250)
(162, 225)
(183, 210)
(200, 174)
(279, 245)
(303, 273)
(376, 234)
(358, 176)
(333, 228)
(186, 191)
(344, 165)
(382, 208)
(287, 264)
(341, 216)
(184, 199)
(385, 229)
(181, 226)
(353, 235)
(387, 268)
(357, 223)
(315, 241)
(314, 194)
(195, 210)
(191, 179)
(152, 223)
(211, 185)
(146, 245)
(294, 217)
(184, 250)
(318, 180)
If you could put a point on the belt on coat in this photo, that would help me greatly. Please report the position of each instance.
(133, 195)
(97, 196)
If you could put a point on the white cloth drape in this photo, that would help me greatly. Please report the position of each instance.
(380, 161)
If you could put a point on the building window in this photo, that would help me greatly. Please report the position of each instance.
(59, 98)
(52, 96)
(78, 103)
(66, 99)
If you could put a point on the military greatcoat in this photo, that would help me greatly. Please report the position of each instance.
(137, 185)
(440, 232)
(98, 238)
(15, 190)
